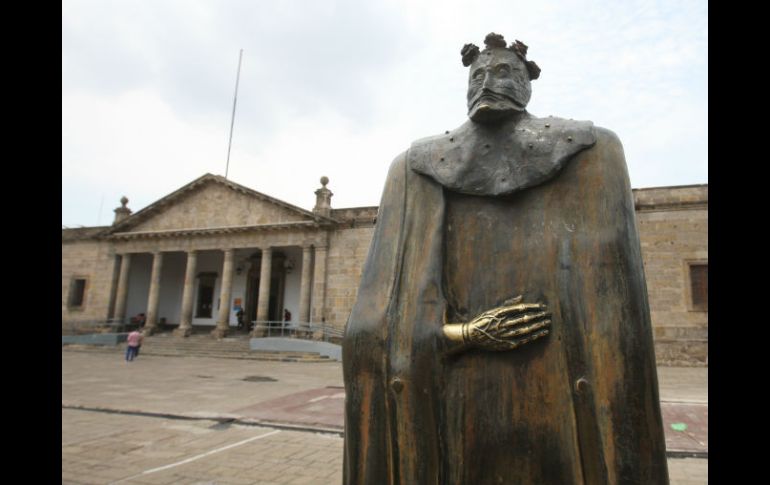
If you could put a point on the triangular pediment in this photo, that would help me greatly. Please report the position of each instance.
(212, 202)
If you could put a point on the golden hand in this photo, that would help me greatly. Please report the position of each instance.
(503, 328)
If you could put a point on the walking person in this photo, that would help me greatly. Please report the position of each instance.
(134, 342)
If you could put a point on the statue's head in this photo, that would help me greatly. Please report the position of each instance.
(499, 80)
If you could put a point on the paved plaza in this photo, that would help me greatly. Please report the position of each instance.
(196, 420)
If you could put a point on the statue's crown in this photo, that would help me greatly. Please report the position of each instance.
(470, 52)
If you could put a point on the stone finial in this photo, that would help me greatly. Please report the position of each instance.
(323, 199)
(122, 212)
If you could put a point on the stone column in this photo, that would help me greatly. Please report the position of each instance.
(185, 323)
(152, 300)
(319, 285)
(122, 294)
(223, 320)
(263, 301)
(304, 289)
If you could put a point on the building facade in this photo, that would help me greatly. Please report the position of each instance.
(673, 229)
(199, 255)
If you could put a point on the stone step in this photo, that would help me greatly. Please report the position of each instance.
(211, 348)
(198, 347)
(204, 345)
(249, 356)
(278, 356)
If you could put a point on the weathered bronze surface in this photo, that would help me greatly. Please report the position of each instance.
(449, 380)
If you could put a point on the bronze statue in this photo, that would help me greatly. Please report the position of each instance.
(501, 333)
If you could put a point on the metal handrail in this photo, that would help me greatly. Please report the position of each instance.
(308, 330)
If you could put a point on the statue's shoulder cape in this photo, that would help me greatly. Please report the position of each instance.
(500, 160)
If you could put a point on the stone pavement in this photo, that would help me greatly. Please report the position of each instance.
(196, 420)
(100, 448)
(684, 405)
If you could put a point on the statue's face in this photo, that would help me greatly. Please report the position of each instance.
(498, 86)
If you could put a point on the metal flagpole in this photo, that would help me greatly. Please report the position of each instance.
(232, 120)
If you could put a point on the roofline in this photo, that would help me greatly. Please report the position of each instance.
(673, 187)
(155, 206)
(236, 186)
(280, 202)
(671, 198)
(84, 227)
(355, 208)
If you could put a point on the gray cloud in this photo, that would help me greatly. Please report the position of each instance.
(340, 87)
(299, 57)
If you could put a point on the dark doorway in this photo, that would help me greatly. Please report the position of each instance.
(204, 306)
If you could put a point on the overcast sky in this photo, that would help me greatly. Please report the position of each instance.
(339, 88)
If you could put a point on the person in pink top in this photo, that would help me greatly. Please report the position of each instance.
(134, 342)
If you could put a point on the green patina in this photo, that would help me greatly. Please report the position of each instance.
(678, 426)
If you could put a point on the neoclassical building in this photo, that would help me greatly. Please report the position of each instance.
(198, 255)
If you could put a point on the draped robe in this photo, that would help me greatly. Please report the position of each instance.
(467, 220)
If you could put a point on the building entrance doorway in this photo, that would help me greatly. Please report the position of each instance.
(205, 303)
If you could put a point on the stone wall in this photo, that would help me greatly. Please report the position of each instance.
(95, 262)
(348, 248)
(673, 229)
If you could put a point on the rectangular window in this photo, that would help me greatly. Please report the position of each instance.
(699, 287)
(77, 292)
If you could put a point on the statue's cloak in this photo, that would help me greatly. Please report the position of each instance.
(577, 407)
